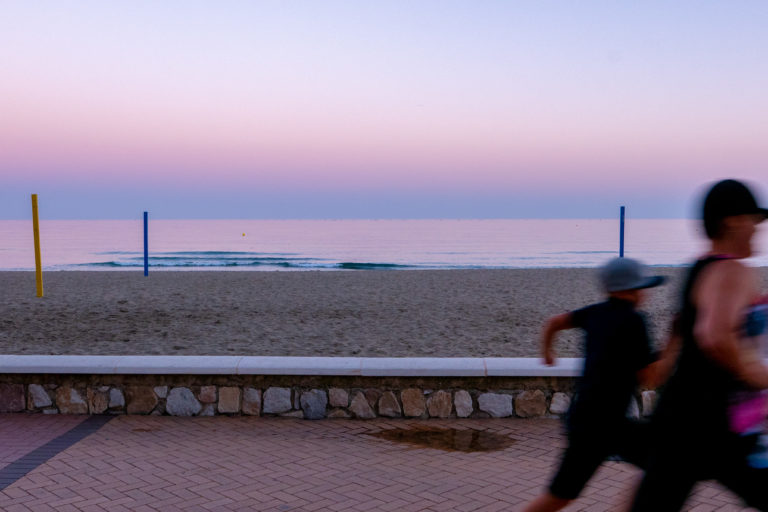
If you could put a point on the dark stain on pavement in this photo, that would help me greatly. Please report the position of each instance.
(448, 439)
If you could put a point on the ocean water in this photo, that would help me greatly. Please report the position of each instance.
(295, 245)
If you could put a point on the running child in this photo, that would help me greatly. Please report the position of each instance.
(618, 358)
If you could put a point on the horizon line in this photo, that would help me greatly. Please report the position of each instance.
(139, 218)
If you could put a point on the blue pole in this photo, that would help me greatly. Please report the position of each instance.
(621, 234)
(146, 245)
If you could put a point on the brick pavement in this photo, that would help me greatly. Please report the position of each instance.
(149, 464)
(22, 433)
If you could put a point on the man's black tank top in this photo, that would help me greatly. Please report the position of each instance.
(694, 402)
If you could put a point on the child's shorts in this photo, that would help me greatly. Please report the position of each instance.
(586, 451)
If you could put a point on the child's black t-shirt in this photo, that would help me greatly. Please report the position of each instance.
(617, 346)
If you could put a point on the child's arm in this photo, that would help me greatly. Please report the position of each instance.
(657, 373)
(553, 325)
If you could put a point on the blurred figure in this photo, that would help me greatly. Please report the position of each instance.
(618, 357)
(708, 420)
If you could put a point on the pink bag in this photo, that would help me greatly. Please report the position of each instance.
(747, 412)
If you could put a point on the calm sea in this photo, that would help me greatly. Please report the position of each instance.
(348, 244)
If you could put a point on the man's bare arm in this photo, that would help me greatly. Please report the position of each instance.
(724, 292)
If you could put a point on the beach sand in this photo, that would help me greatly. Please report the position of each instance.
(437, 313)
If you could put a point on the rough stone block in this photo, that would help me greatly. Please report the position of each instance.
(277, 400)
(372, 395)
(529, 404)
(649, 402)
(38, 397)
(314, 403)
(116, 399)
(161, 391)
(462, 400)
(98, 400)
(414, 403)
(338, 397)
(11, 397)
(560, 403)
(207, 410)
(140, 399)
(182, 402)
(229, 399)
(207, 394)
(293, 414)
(389, 406)
(338, 414)
(360, 407)
(439, 404)
(296, 400)
(69, 401)
(633, 411)
(252, 401)
(495, 404)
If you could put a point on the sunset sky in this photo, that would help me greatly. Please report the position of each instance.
(367, 109)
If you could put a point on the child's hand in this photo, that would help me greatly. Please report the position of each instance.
(549, 357)
(553, 325)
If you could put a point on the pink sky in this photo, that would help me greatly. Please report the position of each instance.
(349, 97)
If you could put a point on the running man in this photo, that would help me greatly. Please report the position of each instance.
(701, 419)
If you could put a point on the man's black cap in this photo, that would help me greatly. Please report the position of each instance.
(728, 198)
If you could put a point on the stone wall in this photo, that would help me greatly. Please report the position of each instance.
(293, 396)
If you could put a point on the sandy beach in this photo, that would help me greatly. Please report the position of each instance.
(439, 313)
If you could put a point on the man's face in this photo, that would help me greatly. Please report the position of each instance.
(740, 229)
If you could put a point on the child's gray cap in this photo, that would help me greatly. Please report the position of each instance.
(627, 274)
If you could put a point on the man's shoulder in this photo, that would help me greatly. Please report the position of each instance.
(724, 275)
(726, 267)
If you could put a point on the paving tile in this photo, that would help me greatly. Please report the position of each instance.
(16, 469)
(149, 464)
(21, 434)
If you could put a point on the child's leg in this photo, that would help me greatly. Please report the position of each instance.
(546, 503)
(634, 443)
(580, 461)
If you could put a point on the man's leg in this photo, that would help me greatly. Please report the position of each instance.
(749, 483)
(666, 485)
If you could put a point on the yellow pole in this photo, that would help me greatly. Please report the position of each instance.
(38, 260)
